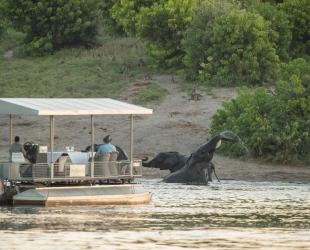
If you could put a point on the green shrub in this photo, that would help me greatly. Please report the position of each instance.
(2, 29)
(162, 27)
(52, 25)
(197, 40)
(111, 27)
(298, 13)
(233, 47)
(280, 28)
(272, 126)
(125, 13)
(9, 41)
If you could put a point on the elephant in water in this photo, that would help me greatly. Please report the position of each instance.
(198, 163)
(173, 161)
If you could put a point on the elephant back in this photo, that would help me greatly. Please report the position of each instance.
(180, 176)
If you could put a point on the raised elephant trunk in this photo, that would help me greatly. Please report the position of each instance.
(144, 163)
(216, 141)
(197, 164)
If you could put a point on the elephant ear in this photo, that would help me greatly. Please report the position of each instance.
(170, 160)
(189, 158)
(160, 156)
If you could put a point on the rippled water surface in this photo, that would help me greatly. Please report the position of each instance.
(221, 215)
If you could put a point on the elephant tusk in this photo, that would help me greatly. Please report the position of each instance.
(218, 143)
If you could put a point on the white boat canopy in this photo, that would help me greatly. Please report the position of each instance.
(70, 106)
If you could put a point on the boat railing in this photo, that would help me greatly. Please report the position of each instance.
(70, 171)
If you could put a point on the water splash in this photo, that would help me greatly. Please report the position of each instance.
(244, 152)
(230, 134)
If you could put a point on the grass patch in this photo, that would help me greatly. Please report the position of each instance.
(186, 87)
(71, 72)
(10, 41)
(152, 92)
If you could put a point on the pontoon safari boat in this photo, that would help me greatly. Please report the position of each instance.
(75, 178)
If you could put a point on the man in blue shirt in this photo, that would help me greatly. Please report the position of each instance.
(106, 146)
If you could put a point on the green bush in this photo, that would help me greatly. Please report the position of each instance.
(162, 27)
(197, 39)
(298, 12)
(9, 41)
(280, 28)
(52, 25)
(233, 45)
(272, 126)
(125, 13)
(2, 29)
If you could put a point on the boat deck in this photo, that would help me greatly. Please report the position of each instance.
(91, 183)
(126, 194)
(87, 171)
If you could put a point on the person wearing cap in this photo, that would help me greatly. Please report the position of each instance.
(16, 147)
(106, 146)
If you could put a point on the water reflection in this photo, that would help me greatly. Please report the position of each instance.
(221, 215)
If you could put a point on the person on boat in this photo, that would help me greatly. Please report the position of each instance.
(16, 147)
(106, 146)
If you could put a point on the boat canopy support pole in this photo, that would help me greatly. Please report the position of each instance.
(52, 144)
(11, 129)
(131, 145)
(92, 146)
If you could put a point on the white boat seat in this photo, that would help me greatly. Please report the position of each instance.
(101, 165)
(112, 164)
(18, 157)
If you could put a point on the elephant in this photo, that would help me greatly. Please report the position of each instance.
(172, 161)
(198, 164)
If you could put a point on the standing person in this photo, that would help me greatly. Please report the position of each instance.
(16, 147)
(106, 146)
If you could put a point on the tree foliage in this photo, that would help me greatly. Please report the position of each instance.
(3, 25)
(198, 35)
(162, 27)
(235, 46)
(2, 28)
(298, 12)
(125, 12)
(245, 3)
(51, 25)
(272, 126)
(111, 26)
(280, 28)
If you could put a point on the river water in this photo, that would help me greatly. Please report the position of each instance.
(221, 215)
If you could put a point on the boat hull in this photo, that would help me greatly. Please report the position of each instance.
(126, 194)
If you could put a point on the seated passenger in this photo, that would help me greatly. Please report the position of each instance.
(106, 146)
(16, 147)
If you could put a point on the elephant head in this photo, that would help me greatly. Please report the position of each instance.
(198, 163)
(171, 161)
